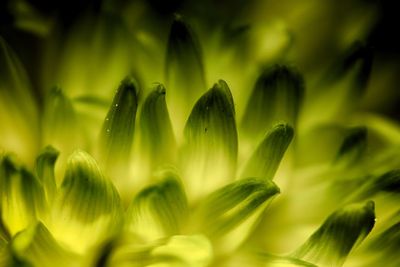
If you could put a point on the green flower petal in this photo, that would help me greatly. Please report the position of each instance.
(156, 133)
(266, 158)
(60, 122)
(210, 152)
(277, 96)
(345, 82)
(257, 259)
(21, 195)
(118, 128)
(14, 83)
(37, 246)
(4, 234)
(353, 147)
(277, 261)
(389, 182)
(8, 259)
(159, 210)
(357, 59)
(387, 245)
(45, 171)
(87, 208)
(18, 109)
(342, 230)
(184, 72)
(89, 57)
(175, 252)
(229, 214)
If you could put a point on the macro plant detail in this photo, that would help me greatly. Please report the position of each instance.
(194, 134)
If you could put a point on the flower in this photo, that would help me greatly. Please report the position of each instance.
(278, 173)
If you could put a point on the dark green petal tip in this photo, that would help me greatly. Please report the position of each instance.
(184, 71)
(22, 196)
(159, 210)
(357, 58)
(87, 209)
(156, 130)
(277, 96)
(233, 205)
(386, 246)
(45, 163)
(85, 193)
(183, 53)
(388, 182)
(118, 128)
(266, 158)
(37, 246)
(15, 89)
(341, 231)
(353, 146)
(60, 120)
(210, 152)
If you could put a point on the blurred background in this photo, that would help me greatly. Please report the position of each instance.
(320, 28)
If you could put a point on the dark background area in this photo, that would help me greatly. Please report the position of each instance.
(383, 38)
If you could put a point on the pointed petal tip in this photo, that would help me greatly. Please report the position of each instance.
(119, 125)
(279, 73)
(10, 162)
(56, 91)
(79, 154)
(339, 234)
(265, 160)
(370, 206)
(283, 128)
(50, 151)
(160, 89)
(353, 146)
(277, 95)
(177, 16)
(129, 83)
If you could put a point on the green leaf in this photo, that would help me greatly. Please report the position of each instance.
(184, 72)
(341, 231)
(229, 214)
(21, 195)
(266, 158)
(87, 208)
(159, 210)
(277, 96)
(37, 246)
(119, 125)
(157, 136)
(353, 147)
(45, 163)
(210, 151)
